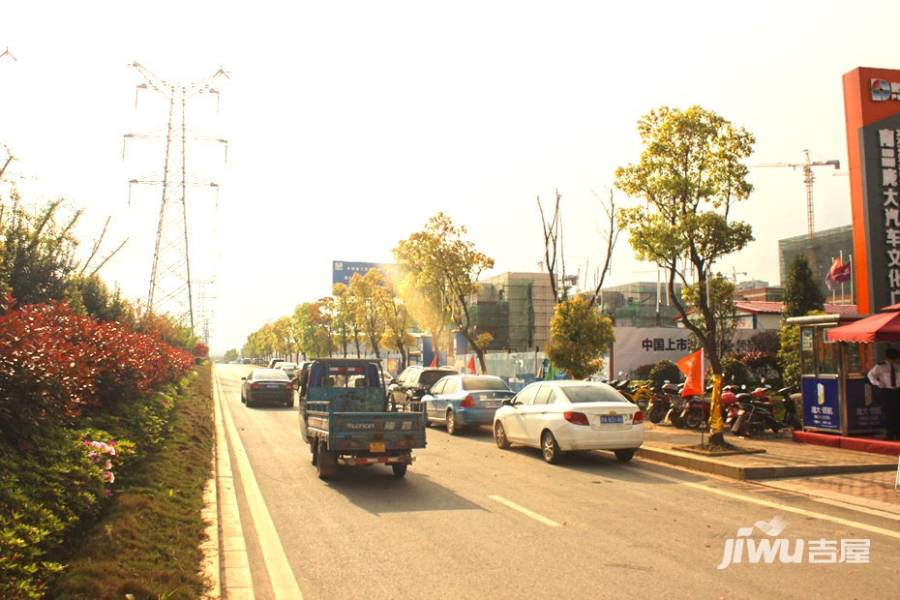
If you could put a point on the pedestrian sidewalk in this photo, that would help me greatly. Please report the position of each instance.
(828, 474)
(782, 458)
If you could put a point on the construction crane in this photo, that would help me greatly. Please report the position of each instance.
(808, 179)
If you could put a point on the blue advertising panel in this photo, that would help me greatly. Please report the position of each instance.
(342, 270)
(864, 410)
(821, 403)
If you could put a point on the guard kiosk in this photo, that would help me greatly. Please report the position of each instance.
(837, 396)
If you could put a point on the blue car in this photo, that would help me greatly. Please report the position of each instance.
(458, 401)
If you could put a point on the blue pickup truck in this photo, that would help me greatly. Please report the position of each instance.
(345, 418)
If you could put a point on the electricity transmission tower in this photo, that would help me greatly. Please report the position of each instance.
(171, 288)
(205, 299)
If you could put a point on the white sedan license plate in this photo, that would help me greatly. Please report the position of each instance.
(611, 419)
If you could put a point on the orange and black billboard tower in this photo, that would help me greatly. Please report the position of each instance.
(872, 105)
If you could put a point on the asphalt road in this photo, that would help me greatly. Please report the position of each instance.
(472, 521)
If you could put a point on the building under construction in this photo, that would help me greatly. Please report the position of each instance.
(640, 304)
(820, 251)
(516, 309)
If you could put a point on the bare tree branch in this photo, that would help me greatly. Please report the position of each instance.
(612, 237)
(552, 247)
(109, 256)
(95, 247)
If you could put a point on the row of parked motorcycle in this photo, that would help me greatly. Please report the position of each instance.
(744, 413)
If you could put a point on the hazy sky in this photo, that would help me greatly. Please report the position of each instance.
(350, 123)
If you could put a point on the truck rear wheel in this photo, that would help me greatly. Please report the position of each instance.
(399, 470)
(326, 463)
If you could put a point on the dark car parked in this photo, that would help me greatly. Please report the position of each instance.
(267, 385)
(414, 382)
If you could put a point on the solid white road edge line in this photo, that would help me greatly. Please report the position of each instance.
(284, 584)
(770, 504)
(525, 511)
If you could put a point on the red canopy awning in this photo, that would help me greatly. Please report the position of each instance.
(880, 327)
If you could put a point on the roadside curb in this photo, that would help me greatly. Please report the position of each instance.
(211, 566)
(726, 469)
(234, 566)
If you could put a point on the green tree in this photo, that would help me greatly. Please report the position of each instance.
(316, 334)
(37, 254)
(579, 337)
(444, 268)
(231, 355)
(721, 301)
(801, 294)
(789, 353)
(663, 371)
(344, 319)
(368, 293)
(689, 177)
(396, 321)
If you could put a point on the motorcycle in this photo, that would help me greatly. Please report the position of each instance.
(676, 407)
(695, 412)
(642, 396)
(755, 414)
(661, 402)
(728, 404)
(789, 418)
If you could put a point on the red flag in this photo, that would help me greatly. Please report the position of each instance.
(840, 271)
(434, 360)
(471, 365)
(692, 367)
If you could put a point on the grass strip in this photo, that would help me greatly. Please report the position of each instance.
(147, 543)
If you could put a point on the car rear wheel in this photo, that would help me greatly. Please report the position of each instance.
(500, 436)
(399, 470)
(452, 428)
(549, 448)
(624, 455)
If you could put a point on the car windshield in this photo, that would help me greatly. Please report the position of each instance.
(429, 378)
(269, 374)
(473, 382)
(590, 393)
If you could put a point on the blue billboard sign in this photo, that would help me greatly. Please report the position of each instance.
(821, 403)
(343, 270)
(864, 407)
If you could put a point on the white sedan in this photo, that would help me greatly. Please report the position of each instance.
(558, 416)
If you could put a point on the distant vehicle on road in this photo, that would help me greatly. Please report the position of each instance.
(559, 416)
(267, 385)
(344, 418)
(414, 382)
(288, 367)
(275, 361)
(458, 401)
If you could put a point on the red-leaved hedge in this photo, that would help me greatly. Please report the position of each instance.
(54, 363)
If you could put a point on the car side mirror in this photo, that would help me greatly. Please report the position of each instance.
(509, 402)
(243, 379)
